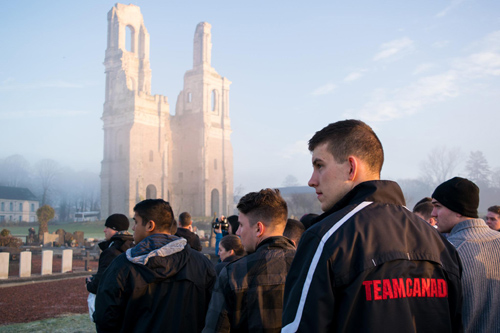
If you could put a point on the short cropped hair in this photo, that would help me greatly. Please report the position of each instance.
(424, 207)
(494, 209)
(157, 210)
(232, 242)
(185, 219)
(351, 137)
(294, 230)
(266, 206)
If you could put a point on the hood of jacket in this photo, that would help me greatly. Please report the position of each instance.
(122, 240)
(159, 256)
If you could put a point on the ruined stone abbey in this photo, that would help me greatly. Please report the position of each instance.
(186, 158)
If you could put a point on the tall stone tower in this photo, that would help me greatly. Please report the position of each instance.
(203, 172)
(136, 124)
(148, 153)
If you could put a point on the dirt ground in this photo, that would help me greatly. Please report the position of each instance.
(42, 300)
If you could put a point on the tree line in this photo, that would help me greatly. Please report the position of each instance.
(59, 186)
(439, 165)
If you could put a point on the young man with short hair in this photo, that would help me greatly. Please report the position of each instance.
(423, 209)
(160, 284)
(455, 209)
(248, 296)
(493, 218)
(367, 264)
(184, 231)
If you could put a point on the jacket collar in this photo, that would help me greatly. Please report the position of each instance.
(383, 191)
(467, 224)
(275, 241)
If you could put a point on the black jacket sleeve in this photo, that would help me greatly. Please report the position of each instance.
(196, 244)
(105, 259)
(112, 297)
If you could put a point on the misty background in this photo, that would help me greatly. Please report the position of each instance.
(423, 74)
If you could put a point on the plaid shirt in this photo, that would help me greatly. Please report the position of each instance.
(248, 294)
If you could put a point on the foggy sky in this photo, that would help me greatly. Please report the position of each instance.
(422, 74)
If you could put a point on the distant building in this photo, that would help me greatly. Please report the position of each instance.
(186, 158)
(17, 204)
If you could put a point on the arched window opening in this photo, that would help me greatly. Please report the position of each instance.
(189, 97)
(120, 151)
(130, 38)
(151, 192)
(215, 164)
(215, 202)
(150, 156)
(214, 100)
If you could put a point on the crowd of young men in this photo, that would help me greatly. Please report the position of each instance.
(366, 264)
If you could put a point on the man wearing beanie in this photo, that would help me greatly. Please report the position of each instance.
(455, 209)
(117, 241)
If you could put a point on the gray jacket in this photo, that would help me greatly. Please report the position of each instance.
(479, 249)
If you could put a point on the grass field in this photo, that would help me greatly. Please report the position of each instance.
(90, 229)
(63, 324)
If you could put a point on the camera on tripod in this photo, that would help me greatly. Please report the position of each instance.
(222, 222)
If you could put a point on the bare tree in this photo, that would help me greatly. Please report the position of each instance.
(440, 165)
(300, 204)
(495, 178)
(290, 180)
(239, 191)
(47, 171)
(15, 171)
(414, 190)
(478, 169)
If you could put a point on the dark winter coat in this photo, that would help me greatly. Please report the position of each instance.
(248, 296)
(371, 265)
(223, 263)
(160, 285)
(119, 243)
(192, 239)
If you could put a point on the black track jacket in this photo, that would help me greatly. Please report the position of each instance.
(371, 265)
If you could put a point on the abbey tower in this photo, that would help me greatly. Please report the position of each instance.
(184, 158)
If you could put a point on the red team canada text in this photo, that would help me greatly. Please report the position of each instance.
(376, 290)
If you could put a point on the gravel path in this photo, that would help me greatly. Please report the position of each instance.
(44, 299)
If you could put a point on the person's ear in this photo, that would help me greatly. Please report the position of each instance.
(231, 252)
(150, 226)
(353, 167)
(261, 228)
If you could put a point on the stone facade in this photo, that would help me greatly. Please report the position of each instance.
(184, 158)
